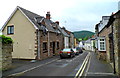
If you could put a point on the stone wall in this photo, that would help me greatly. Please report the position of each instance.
(101, 55)
(7, 56)
(105, 55)
(49, 38)
(105, 33)
(116, 29)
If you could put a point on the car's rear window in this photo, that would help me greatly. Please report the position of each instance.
(66, 49)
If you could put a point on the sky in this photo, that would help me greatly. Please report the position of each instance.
(74, 15)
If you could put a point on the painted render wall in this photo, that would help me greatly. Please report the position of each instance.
(23, 37)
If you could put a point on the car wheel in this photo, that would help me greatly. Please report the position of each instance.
(70, 56)
(61, 57)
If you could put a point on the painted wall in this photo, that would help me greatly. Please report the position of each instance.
(66, 42)
(23, 37)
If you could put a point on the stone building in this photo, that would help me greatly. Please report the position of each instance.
(102, 37)
(34, 36)
(111, 35)
(116, 40)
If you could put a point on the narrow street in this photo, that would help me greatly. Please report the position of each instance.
(60, 67)
(84, 65)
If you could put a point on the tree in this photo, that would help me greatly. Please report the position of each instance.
(86, 38)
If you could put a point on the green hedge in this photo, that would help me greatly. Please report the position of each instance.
(5, 40)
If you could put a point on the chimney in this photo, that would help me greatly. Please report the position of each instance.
(57, 22)
(48, 15)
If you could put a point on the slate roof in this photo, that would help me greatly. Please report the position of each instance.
(32, 16)
(62, 31)
(37, 19)
(65, 34)
(49, 25)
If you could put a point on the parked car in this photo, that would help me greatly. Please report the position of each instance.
(67, 52)
(76, 51)
(79, 49)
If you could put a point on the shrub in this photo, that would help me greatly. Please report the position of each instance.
(5, 40)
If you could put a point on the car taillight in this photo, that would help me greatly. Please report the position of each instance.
(60, 52)
(68, 52)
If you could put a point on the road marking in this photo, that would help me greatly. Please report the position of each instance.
(32, 68)
(88, 67)
(82, 66)
(100, 73)
(83, 69)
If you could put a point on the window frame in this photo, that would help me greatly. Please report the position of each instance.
(10, 30)
(102, 44)
(44, 46)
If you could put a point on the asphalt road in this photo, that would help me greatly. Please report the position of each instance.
(60, 67)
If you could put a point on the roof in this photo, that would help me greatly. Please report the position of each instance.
(49, 25)
(36, 20)
(64, 33)
(32, 16)
(111, 19)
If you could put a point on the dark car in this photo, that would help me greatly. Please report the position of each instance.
(67, 52)
(76, 51)
(79, 49)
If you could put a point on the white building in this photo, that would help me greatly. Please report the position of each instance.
(89, 44)
(100, 41)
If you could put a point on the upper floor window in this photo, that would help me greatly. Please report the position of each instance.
(10, 29)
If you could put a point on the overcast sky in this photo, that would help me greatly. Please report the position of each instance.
(75, 15)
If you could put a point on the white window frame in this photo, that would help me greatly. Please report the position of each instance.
(99, 44)
(10, 29)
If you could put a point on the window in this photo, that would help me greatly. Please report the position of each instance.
(57, 45)
(45, 46)
(10, 30)
(102, 44)
(51, 44)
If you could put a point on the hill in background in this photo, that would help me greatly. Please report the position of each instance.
(83, 34)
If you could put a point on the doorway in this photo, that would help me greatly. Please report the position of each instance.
(53, 48)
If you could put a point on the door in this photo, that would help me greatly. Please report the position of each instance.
(53, 48)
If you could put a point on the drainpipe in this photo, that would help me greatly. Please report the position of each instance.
(38, 53)
(114, 70)
(48, 44)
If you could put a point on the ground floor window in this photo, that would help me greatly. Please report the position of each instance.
(51, 44)
(45, 46)
(57, 45)
(101, 44)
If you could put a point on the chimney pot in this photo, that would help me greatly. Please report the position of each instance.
(57, 22)
(48, 15)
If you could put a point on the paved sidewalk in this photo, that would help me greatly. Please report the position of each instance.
(99, 68)
(22, 65)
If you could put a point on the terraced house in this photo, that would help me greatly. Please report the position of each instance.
(108, 40)
(34, 36)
